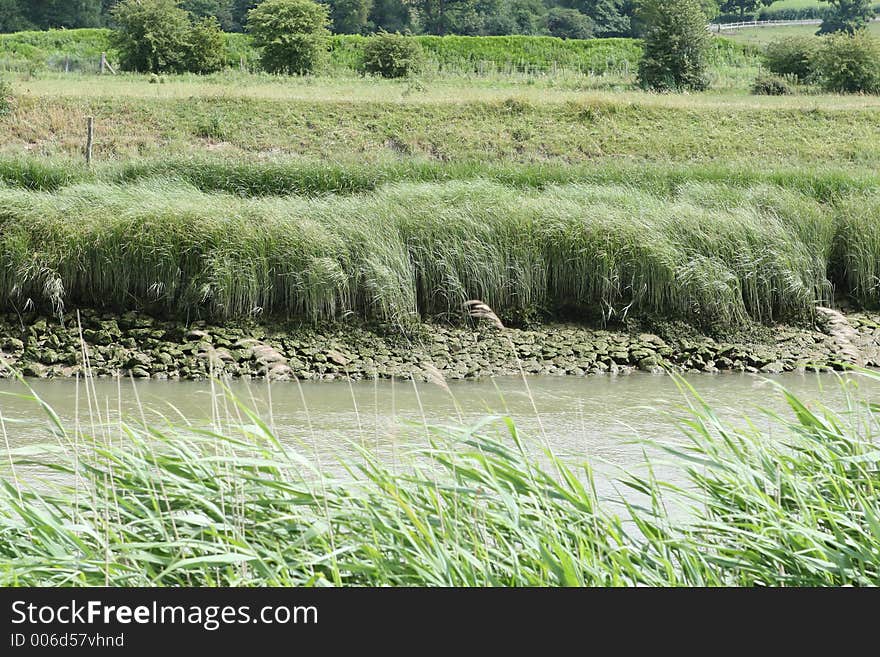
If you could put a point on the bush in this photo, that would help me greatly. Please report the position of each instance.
(392, 55)
(770, 85)
(292, 34)
(849, 63)
(151, 35)
(157, 36)
(569, 24)
(206, 52)
(676, 45)
(793, 56)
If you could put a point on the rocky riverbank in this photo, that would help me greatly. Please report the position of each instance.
(143, 347)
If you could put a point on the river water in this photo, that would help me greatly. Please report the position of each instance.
(595, 419)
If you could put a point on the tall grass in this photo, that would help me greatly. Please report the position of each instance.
(709, 252)
(478, 506)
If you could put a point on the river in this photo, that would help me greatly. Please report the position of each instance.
(596, 419)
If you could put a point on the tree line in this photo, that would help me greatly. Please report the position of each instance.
(563, 18)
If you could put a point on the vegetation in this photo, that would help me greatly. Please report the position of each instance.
(676, 45)
(771, 85)
(392, 56)
(794, 56)
(849, 63)
(849, 16)
(156, 36)
(161, 506)
(718, 253)
(292, 35)
(5, 97)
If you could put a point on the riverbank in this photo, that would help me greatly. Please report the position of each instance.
(137, 345)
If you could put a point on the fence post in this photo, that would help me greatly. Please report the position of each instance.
(103, 62)
(90, 139)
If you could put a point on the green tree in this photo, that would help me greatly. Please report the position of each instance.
(676, 45)
(349, 16)
(743, 7)
(12, 18)
(518, 17)
(219, 9)
(390, 15)
(206, 47)
(847, 16)
(607, 17)
(291, 33)
(569, 24)
(151, 35)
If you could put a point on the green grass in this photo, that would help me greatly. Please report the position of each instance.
(710, 252)
(761, 36)
(373, 121)
(793, 505)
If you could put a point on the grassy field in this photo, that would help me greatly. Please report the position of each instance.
(761, 36)
(794, 504)
(366, 120)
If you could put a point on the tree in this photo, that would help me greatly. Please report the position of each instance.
(608, 17)
(391, 55)
(12, 18)
(151, 35)
(569, 24)
(743, 7)
(676, 45)
(849, 63)
(291, 33)
(390, 15)
(518, 17)
(847, 16)
(219, 9)
(349, 16)
(206, 47)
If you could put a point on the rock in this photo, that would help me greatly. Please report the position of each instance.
(649, 364)
(773, 368)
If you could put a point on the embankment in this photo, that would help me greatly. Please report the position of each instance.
(137, 345)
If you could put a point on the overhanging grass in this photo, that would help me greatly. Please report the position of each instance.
(710, 252)
(795, 505)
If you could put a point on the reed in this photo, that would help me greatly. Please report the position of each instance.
(795, 505)
(712, 253)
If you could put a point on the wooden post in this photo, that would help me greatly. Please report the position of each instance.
(90, 139)
(67, 63)
(103, 62)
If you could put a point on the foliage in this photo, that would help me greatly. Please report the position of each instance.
(848, 16)
(743, 7)
(151, 35)
(849, 63)
(292, 35)
(569, 24)
(392, 55)
(349, 16)
(793, 56)
(676, 45)
(770, 85)
(206, 47)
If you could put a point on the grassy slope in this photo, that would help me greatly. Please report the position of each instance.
(760, 36)
(352, 120)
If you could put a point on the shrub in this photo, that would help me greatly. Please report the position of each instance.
(151, 35)
(770, 85)
(292, 34)
(569, 24)
(392, 55)
(849, 63)
(206, 51)
(792, 56)
(676, 45)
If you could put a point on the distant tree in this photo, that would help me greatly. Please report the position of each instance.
(608, 17)
(291, 33)
(349, 16)
(444, 16)
(676, 45)
(518, 17)
(151, 35)
(390, 15)
(569, 24)
(239, 10)
(12, 18)
(847, 16)
(743, 7)
(219, 9)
